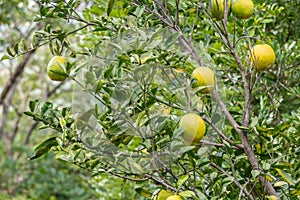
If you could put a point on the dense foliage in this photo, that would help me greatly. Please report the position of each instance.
(131, 65)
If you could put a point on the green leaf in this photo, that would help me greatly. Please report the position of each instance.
(201, 196)
(8, 51)
(272, 197)
(101, 29)
(5, 57)
(143, 192)
(280, 183)
(25, 47)
(243, 128)
(64, 157)
(43, 127)
(58, 72)
(255, 173)
(177, 133)
(286, 177)
(266, 21)
(182, 179)
(216, 118)
(124, 59)
(33, 104)
(171, 40)
(64, 111)
(110, 6)
(94, 164)
(187, 194)
(31, 114)
(44, 147)
(139, 11)
(47, 106)
(16, 48)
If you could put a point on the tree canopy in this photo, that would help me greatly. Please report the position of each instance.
(129, 82)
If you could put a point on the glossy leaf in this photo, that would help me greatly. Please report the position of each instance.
(44, 148)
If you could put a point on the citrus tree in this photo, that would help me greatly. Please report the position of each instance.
(188, 99)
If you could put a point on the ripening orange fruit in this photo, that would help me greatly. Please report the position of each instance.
(174, 197)
(56, 68)
(204, 76)
(194, 127)
(242, 9)
(262, 56)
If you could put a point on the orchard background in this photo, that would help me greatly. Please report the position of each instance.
(110, 130)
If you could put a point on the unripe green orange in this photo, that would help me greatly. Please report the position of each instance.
(203, 76)
(56, 68)
(194, 127)
(262, 56)
(218, 8)
(242, 9)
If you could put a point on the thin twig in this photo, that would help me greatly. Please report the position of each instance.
(234, 180)
(278, 76)
(224, 137)
(161, 182)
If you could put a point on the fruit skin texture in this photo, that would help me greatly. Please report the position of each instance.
(163, 195)
(174, 197)
(205, 77)
(262, 56)
(55, 65)
(218, 8)
(242, 9)
(194, 127)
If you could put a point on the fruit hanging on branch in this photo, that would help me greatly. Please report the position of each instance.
(174, 197)
(203, 77)
(262, 56)
(242, 9)
(57, 68)
(218, 8)
(194, 127)
(164, 194)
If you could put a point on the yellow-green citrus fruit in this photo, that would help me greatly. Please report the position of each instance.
(242, 9)
(218, 8)
(194, 127)
(203, 76)
(174, 197)
(262, 56)
(164, 194)
(56, 68)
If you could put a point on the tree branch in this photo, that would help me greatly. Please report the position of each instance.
(161, 182)
(18, 72)
(224, 137)
(225, 37)
(5, 113)
(246, 115)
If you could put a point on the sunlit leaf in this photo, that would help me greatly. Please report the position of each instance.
(182, 179)
(9, 52)
(286, 177)
(44, 147)
(110, 7)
